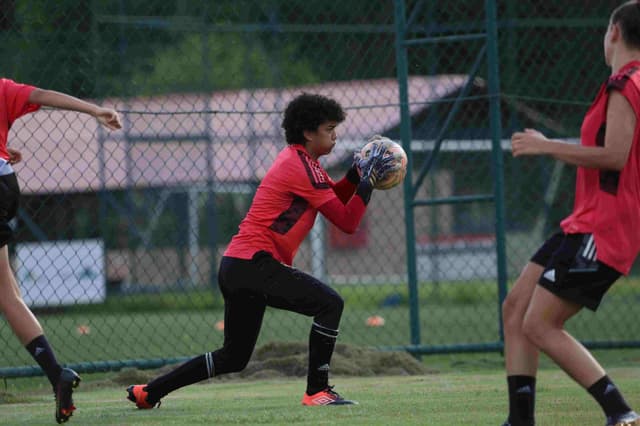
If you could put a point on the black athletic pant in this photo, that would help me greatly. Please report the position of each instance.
(249, 286)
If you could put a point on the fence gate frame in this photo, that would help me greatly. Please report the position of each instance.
(489, 52)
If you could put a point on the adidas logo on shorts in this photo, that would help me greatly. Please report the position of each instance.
(550, 275)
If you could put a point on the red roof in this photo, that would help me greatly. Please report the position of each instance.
(166, 136)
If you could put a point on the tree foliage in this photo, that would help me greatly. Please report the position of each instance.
(222, 61)
(100, 48)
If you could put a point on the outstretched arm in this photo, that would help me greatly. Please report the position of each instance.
(15, 156)
(106, 116)
(621, 123)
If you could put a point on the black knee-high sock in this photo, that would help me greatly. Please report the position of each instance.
(322, 341)
(192, 371)
(43, 354)
(609, 397)
(522, 400)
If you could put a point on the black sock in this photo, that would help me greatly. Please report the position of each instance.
(43, 354)
(322, 341)
(192, 371)
(609, 397)
(522, 400)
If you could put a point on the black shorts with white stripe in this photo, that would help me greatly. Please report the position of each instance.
(572, 270)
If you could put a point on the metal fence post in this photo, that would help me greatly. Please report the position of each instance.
(405, 134)
(497, 163)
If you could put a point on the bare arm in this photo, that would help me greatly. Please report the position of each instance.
(106, 116)
(15, 156)
(621, 123)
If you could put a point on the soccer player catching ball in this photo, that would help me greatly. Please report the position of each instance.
(255, 271)
(598, 242)
(17, 100)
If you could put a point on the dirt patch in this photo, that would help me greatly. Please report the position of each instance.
(281, 360)
(290, 359)
(129, 376)
(10, 398)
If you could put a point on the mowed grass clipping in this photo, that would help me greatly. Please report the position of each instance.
(460, 398)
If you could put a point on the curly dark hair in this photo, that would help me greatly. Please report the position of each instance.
(306, 112)
(627, 16)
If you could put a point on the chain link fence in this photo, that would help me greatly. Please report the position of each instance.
(119, 233)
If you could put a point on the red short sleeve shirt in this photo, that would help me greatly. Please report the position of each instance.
(14, 103)
(607, 202)
(284, 208)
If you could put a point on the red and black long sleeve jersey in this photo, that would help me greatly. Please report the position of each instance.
(286, 203)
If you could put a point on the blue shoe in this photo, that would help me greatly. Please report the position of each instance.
(630, 418)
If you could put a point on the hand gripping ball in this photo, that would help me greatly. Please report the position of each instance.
(396, 174)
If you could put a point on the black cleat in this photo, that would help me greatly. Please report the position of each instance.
(68, 380)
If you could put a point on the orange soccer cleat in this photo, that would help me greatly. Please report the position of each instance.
(139, 395)
(326, 397)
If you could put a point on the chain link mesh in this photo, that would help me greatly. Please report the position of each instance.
(132, 224)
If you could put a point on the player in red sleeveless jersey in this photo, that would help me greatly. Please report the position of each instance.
(256, 272)
(598, 242)
(17, 100)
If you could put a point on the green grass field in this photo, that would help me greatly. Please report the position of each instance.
(182, 324)
(462, 393)
(462, 389)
